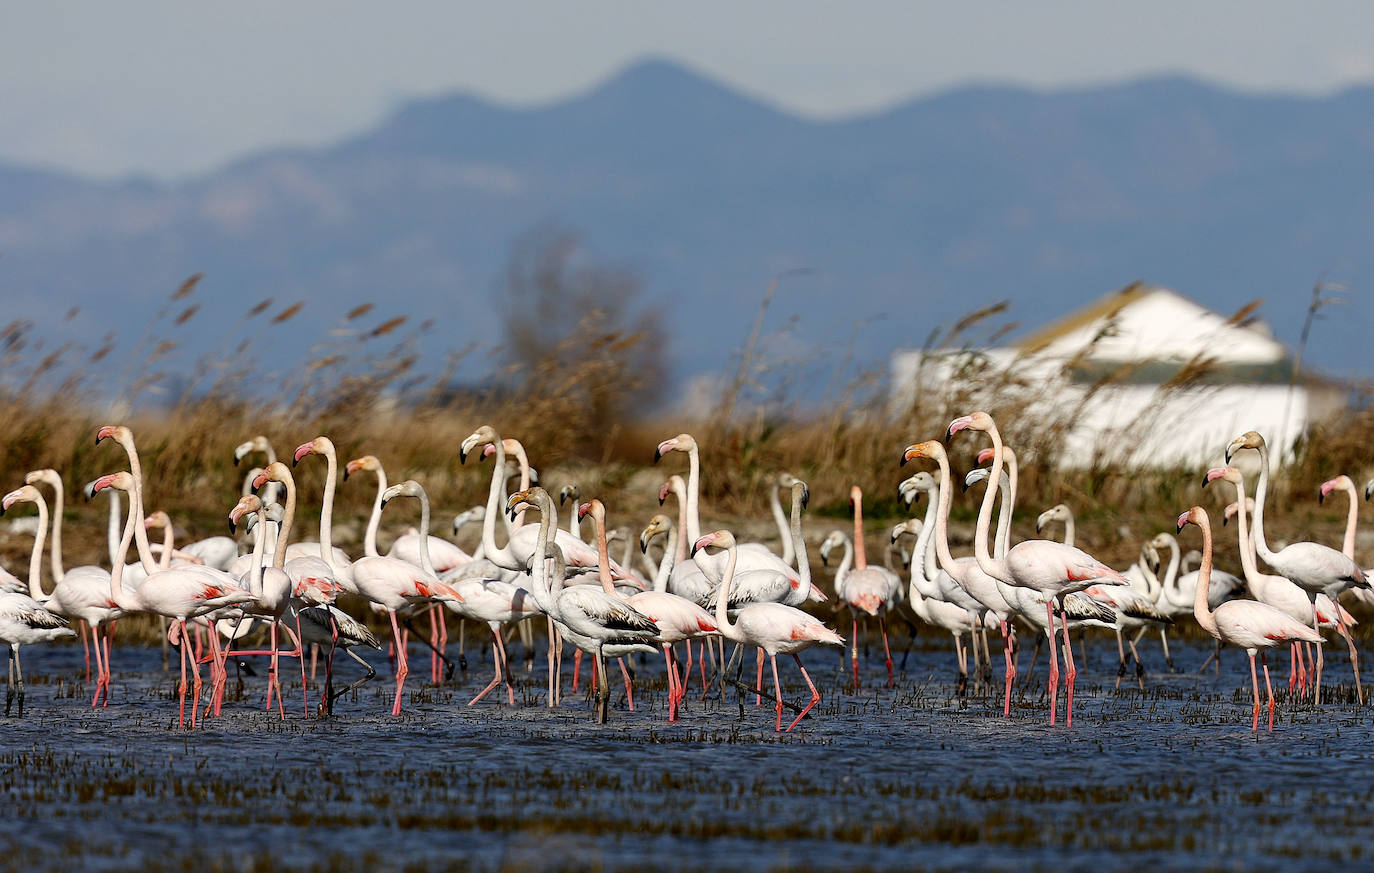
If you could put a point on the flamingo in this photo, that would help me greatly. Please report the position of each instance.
(773, 627)
(870, 590)
(83, 593)
(1245, 623)
(597, 621)
(1343, 483)
(336, 558)
(179, 593)
(1050, 568)
(1318, 568)
(678, 619)
(259, 443)
(929, 609)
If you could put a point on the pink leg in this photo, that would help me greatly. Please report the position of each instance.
(1011, 669)
(85, 649)
(1270, 688)
(758, 677)
(815, 695)
(854, 648)
(1070, 673)
(314, 657)
(887, 650)
(181, 686)
(305, 688)
(1054, 665)
(196, 685)
(109, 634)
(402, 664)
(629, 689)
(777, 686)
(99, 667)
(1292, 666)
(672, 682)
(1254, 684)
(577, 668)
(496, 657)
(434, 644)
(443, 640)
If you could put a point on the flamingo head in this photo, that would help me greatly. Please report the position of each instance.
(1330, 485)
(123, 480)
(476, 514)
(785, 480)
(929, 449)
(1197, 515)
(663, 493)
(24, 494)
(273, 472)
(258, 443)
(484, 435)
(976, 475)
(909, 528)
(1230, 474)
(1248, 440)
(248, 504)
(801, 493)
(158, 520)
(594, 508)
(658, 525)
(366, 462)
(984, 455)
(974, 421)
(856, 495)
(320, 445)
(573, 493)
(683, 442)
(408, 488)
(721, 539)
(1058, 512)
(527, 499)
(834, 540)
(47, 476)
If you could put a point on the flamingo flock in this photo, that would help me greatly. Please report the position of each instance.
(705, 589)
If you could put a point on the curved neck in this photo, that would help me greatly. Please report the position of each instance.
(498, 556)
(327, 508)
(1201, 612)
(1013, 472)
(1347, 545)
(374, 521)
(1248, 565)
(860, 554)
(682, 532)
(1152, 586)
(1068, 530)
(780, 519)
(543, 591)
(1003, 518)
(1171, 572)
(168, 544)
(574, 526)
(842, 571)
(284, 532)
(255, 567)
(923, 558)
(426, 563)
(666, 563)
(603, 559)
(36, 557)
(980, 537)
(519, 450)
(58, 572)
(694, 493)
(1261, 545)
(123, 600)
(145, 552)
(722, 612)
(799, 546)
(944, 497)
(112, 528)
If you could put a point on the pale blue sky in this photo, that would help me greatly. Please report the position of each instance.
(170, 88)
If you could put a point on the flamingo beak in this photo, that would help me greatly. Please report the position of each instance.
(260, 480)
(106, 431)
(301, 451)
(957, 425)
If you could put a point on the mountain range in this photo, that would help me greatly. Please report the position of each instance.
(903, 220)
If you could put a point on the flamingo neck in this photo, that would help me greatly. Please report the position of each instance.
(374, 521)
(603, 558)
(694, 493)
(255, 566)
(145, 551)
(780, 519)
(723, 597)
(682, 530)
(799, 546)
(498, 556)
(550, 583)
(112, 528)
(57, 499)
(327, 508)
(1249, 567)
(1347, 545)
(669, 559)
(1261, 491)
(1013, 483)
(860, 555)
(943, 495)
(287, 517)
(426, 562)
(127, 601)
(999, 547)
(980, 537)
(36, 557)
(1068, 529)
(168, 544)
(842, 571)
(518, 449)
(1201, 611)
(1152, 586)
(923, 560)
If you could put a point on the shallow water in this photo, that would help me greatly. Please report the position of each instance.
(912, 777)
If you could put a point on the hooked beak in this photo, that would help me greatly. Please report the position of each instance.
(106, 431)
(301, 451)
(644, 542)
(957, 425)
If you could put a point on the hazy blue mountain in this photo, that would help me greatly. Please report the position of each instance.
(915, 215)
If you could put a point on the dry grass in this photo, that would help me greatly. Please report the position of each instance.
(360, 387)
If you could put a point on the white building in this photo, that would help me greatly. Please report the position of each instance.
(1143, 377)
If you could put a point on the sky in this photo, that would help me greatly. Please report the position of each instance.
(171, 89)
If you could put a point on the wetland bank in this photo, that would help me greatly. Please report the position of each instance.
(911, 777)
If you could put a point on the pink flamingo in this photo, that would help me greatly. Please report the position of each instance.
(868, 590)
(773, 627)
(1245, 623)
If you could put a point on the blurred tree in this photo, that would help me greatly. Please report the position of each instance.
(579, 338)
